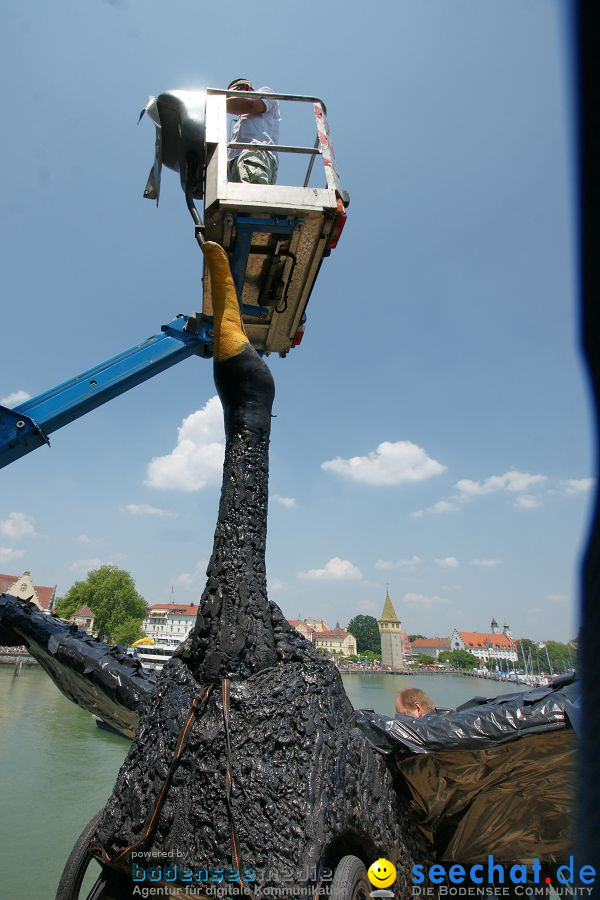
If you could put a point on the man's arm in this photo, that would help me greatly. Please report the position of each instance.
(239, 106)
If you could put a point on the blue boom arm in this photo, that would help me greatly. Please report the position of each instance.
(28, 425)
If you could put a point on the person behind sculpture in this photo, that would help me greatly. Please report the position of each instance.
(414, 702)
(257, 122)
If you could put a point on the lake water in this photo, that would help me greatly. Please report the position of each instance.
(58, 768)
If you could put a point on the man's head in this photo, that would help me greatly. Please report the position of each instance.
(240, 84)
(414, 702)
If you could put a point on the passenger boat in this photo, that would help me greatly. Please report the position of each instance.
(153, 653)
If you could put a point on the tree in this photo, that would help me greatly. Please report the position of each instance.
(562, 656)
(111, 595)
(366, 631)
(414, 637)
(127, 632)
(371, 656)
(459, 659)
(424, 660)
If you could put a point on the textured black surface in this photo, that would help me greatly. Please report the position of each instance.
(307, 788)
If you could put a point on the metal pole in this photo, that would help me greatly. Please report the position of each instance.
(311, 164)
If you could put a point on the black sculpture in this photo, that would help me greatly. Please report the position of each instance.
(246, 756)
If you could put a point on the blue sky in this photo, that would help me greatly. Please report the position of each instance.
(441, 350)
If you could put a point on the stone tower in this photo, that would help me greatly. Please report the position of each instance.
(392, 641)
(494, 627)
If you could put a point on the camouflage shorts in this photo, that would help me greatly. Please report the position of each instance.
(254, 166)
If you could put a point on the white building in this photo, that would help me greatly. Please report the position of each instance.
(83, 618)
(170, 622)
(333, 640)
(486, 646)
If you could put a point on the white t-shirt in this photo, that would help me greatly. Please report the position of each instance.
(257, 128)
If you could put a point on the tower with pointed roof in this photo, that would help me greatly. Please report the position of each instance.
(392, 640)
(494, 627)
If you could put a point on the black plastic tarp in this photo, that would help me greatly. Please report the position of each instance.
(494, 776)
(95, 675)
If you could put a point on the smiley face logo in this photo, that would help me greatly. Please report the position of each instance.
(382, 873)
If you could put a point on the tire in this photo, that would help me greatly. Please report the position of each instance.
(350, 881)
(78, 862)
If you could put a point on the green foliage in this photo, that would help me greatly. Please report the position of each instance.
(111, 595)
(424, 660)
(66, 606)
(366, 631)
(459, 659)
(371, 655)
(562, 656)
(127, 632)
(414, 637)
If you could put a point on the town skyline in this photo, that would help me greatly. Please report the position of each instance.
(51, 597)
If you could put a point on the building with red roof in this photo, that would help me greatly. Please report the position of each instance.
(21, 586)
(336, 640)
(170, 622)
(430, 646)
(83, 618)
(486, 646)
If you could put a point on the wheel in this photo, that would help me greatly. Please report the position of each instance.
(77, 865)
(350, 881)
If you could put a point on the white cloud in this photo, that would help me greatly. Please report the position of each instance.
(85, 565)
(7, 554)
(144, 509)
(449, 562)
(440, 506)
(197, 460)
(388, 564)
(335, 570)
(17, 525)
(275, 585)
(486, 563)
(513, 481)
(391, 463)
(527, 501)
(287, 502)
(367, 606)
(15, 399)
(556, 598)
(424, 600)
(578, 485)
(194, 580)
(86, 539)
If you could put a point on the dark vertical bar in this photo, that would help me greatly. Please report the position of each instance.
(239, 261)
(588, 46)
